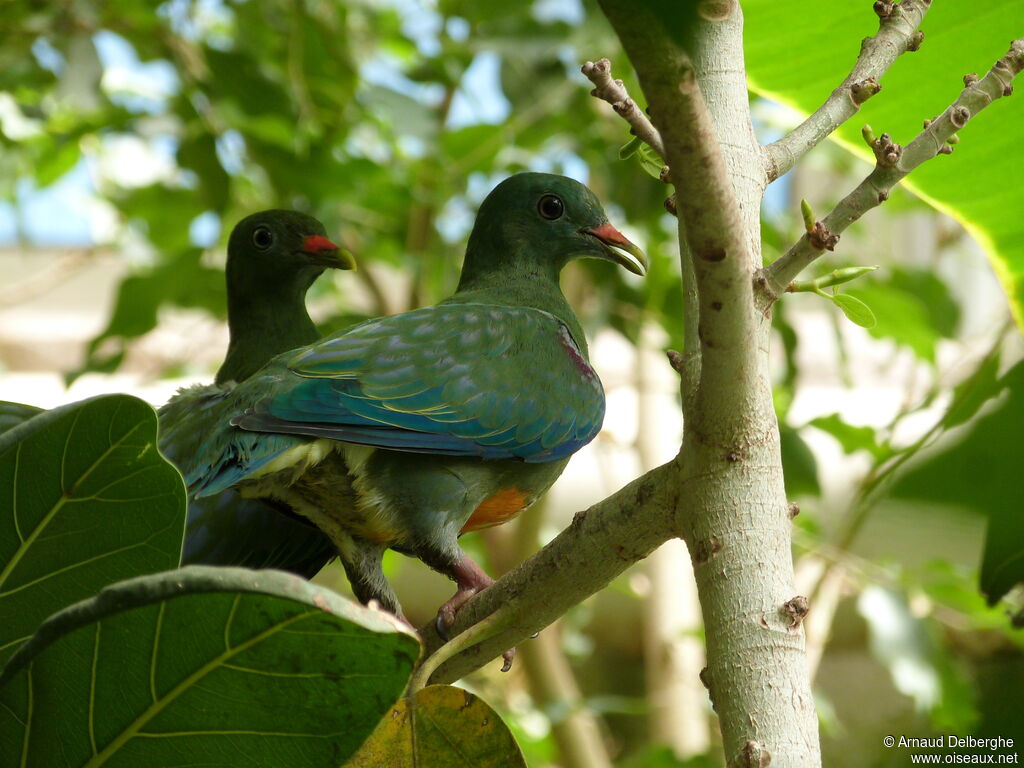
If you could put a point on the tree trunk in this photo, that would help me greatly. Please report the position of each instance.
(736, 522)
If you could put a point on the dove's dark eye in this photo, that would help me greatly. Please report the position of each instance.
(262, 238)
(550, 207)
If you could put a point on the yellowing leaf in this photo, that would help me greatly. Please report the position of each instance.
(442, 727)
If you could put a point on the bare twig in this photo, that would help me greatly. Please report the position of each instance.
(614, 92)
(897, 32)
(892, 164)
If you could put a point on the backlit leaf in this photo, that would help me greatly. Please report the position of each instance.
(204, 666)
(85, 500)
(442, 726)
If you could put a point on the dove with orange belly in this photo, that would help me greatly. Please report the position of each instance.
(405, 432)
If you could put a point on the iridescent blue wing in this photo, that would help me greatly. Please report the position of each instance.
(459, 379)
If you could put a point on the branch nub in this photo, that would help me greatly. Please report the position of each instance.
(887, 152)
(864, 89)
(676, 360)
(884, 9)
(753, 755)
(821, 238)
(959, 116)
(796, 609)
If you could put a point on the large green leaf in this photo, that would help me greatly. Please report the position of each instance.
(981, 471)
(86, 500)
(440, 727)
(789, 60)
(203, 666)
(13, 414)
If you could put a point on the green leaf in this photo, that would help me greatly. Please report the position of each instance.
(979, 183)
(13, 414)
(181, 279)
(204, 666)
(973, 392)
(472, 148)
(650, 161)
(856, 311)
(630, 148)
(86, 499)
(798, 464)
(851, 438)
(199, 153)
(932, 293)
(981, 471)
(60, 159)
(919, 670)
(442, 726)
(901, 316)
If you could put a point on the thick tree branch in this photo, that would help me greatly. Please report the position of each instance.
(614, 92)
(892, 164)
(599, 545)
(897, 33)
(709, 219)
(735, 523)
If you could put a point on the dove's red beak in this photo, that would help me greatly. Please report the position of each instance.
(316, 244)
(324, 253)
(621, 250)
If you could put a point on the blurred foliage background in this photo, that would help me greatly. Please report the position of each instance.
(389, 121)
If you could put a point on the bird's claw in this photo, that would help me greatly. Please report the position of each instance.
(442, 623)
(441, 627)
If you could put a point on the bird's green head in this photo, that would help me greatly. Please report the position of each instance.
(281, 250)
(537, 222)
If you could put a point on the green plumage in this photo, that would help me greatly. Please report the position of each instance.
(405, 431)
(273, 258)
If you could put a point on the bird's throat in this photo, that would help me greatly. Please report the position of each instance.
(261, 330)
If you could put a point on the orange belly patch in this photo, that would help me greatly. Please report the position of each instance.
(499, 508)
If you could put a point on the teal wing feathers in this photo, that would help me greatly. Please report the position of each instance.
(211, 455)
(459, 379)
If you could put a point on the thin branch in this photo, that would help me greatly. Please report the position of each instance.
(892, 164)
(598, 546)
(614, 92)
(897, 33)
(487, 626)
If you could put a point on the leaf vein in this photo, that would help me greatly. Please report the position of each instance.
(30, 708)
(14, 492)
(92, 687)
(47, 518)
(133, 728)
